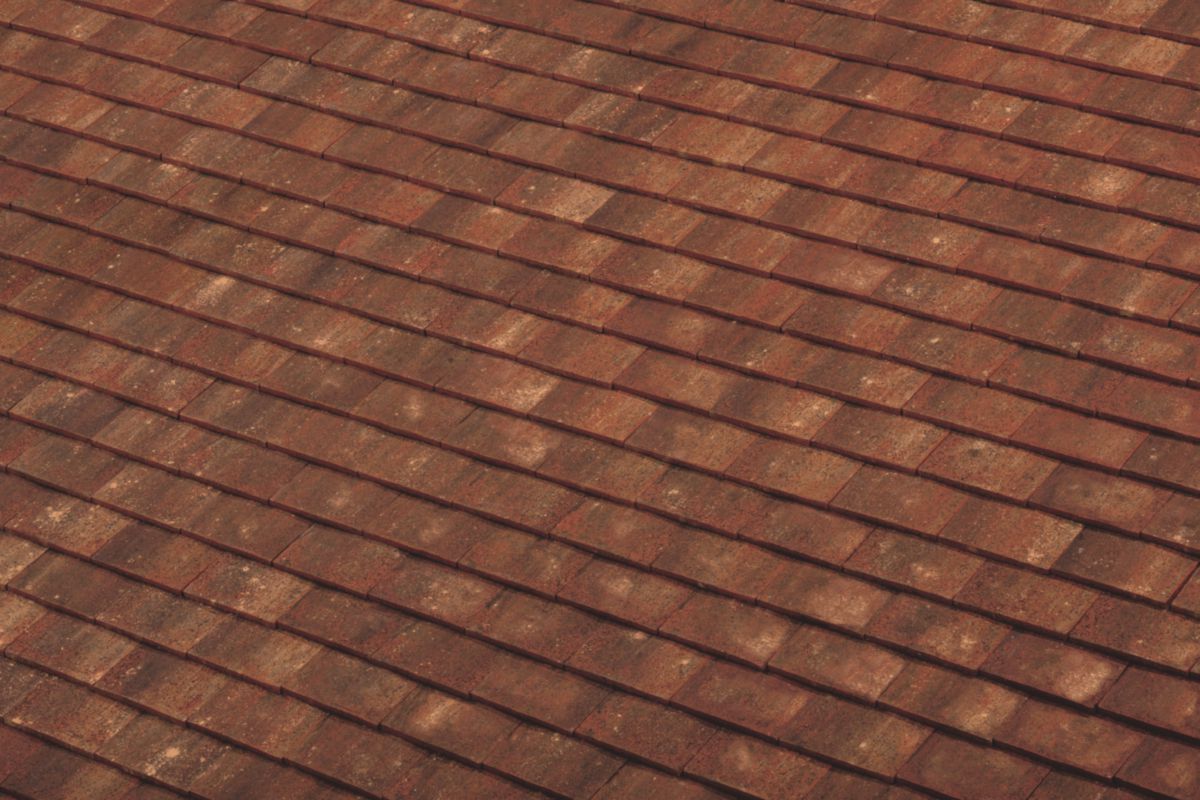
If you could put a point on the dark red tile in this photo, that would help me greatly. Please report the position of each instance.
(359, 757)
(1026, 597)
(558, 699)
(347, 685)
(966, 704)
(837, 662)
(1047, 665)
(64, 644)
(1094, 497)
(1141, 631)
(470, 730)
(938, 631)
(898, 499)
(912, 562)
(1125, 564)
(744, 698)
(1162, 765)
(256, 653)
(68, 713)
(1090, 744)
(557, 762)
(746, 764)
(162, 683)
(871, 740)
(960, 769)
(1011, 532)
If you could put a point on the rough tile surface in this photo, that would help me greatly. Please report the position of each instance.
(601, 399)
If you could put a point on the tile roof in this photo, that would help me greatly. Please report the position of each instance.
(622, 399)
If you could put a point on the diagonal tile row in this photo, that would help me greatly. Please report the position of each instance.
(705, 444)
(39, 301)
(223, 590)
(142, 548)
(687, 133)
(1158, 468)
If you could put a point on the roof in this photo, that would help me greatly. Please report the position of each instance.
(647, 398)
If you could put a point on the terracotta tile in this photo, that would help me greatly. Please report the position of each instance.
(794, 470)
(1026, 598)
(350, 686)
(645, 600)
(1186, 600)
(1147, 402)
(1060, 432)
(72, 715)
(745, 764)
(58, 581)
(1139, 630)
(978, 156)
(837, 662)
(1046, 665)
(636, 780)
(969, 705)
(63, 773)
(648, 664)
(165, 559)
(67, 465)
(619, 531)
(895, 498)
(911, 562)
(557, 633)
(248, 588)
(940, 765)
(140, 744)
(1081, 492)
(715, 561)
(1046, 731)
(728, 628)
(823, 216)
(740, 697)
(689, 438)
(866, 738)
(1070, 382)
(553, 697)
(259, 654)
(966, 354)
(162, 683)
(942, 633)
(359, 757)
(561, 764)
(470, 730)
(377, 288)
(1153, 698)
(880, 437)
(18, 748)
(1130, 566)
(993, 468)
(162, 617)
(1159, 352)
(1161, 765)
(1010, 532)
